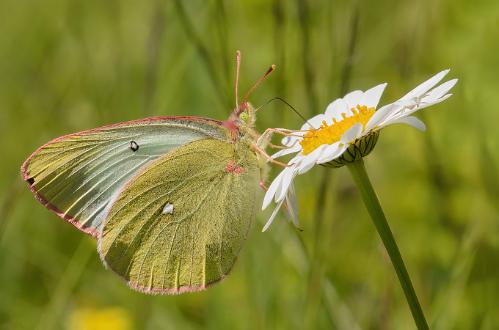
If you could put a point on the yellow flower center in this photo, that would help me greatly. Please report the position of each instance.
(329, 134)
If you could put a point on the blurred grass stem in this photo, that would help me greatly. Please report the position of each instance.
(346, 73)
(153, 49)
(201, 48)
(9, 204)
(320, 228)
(359, 174)
(68, 280)
(308, 67)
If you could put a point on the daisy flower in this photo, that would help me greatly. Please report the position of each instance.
(347, 131)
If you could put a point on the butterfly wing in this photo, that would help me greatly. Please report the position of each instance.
(179, 224)
(77, 175)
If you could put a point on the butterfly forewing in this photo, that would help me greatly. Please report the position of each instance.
(77, 175)
(179, 224)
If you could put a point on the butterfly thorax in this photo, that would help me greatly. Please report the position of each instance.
(241, 123)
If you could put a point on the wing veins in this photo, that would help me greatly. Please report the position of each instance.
(86, 192)
(58, 153)
(224, 221)
(142, 209)
(145, 222)
(173, 238)
(102, 169)
(192, 249)
(213, 168)
(100, 144)
(65, 170)
(105, 190)
(174, 235)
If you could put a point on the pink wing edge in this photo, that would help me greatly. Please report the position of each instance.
(172, 291)
(229, 124)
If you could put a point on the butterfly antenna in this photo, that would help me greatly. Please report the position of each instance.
(277, 98)
(238, 65)
(258, 82)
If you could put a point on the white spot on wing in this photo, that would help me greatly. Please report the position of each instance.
(168, 209)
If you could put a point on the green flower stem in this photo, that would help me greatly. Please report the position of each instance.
(374, 208)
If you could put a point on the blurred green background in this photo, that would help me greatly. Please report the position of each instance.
(67, 66)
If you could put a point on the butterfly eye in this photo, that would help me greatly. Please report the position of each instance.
(244, 117)
(134, 146)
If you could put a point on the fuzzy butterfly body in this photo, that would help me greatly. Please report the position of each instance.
(169, 199)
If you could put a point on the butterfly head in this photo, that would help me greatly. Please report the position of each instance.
(244, 114)
(247, 117)
(242, 118)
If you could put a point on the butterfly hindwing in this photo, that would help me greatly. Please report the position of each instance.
(77, 175)
(179, 224)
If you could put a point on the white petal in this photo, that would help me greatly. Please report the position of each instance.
(287, 179)
(411, 121)
(305, 167)
(380, 115)
(310, 160)
(315, 121)
(352, 133)
(269, 195)
(443, 98)
(291, 140)
(441, 90)
(335, 109)
(372, 96)
(292, 205)
(287, 151)
(353, 98)
(272, 217)
(425, 104)
(420, 106)
(332, 152)
(296, 159)
(425, 86)
(331, 148)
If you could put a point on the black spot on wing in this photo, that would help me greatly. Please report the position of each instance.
(134, 146)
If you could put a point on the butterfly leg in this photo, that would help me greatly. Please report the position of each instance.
(264, 140)
(274, 146)
(267, 156)
(262, 185)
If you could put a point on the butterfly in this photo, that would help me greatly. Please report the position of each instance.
(170, 200)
